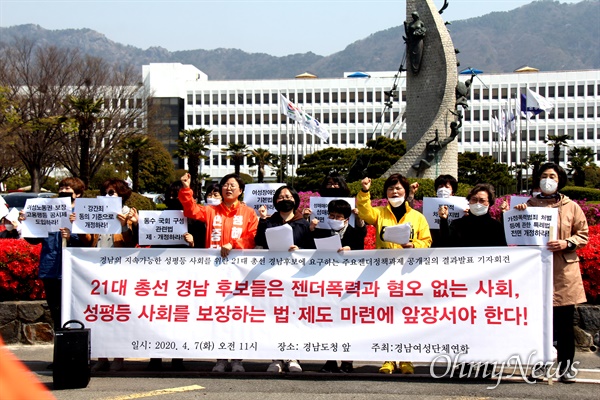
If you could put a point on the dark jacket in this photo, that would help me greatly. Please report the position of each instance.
(472, 231)
(353, 237)
(300, 228)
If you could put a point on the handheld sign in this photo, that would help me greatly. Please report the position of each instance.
(97, 215)
(261, 194)
(45, 215)
(456, 209)
(318, 205)
(162, 227)
(515, 200)
(280, 238)
(533, 226)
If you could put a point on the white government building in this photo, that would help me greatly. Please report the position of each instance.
(351, 107)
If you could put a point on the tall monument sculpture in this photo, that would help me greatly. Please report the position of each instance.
(433, 119)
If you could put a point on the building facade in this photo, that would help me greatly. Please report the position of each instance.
(357, 109)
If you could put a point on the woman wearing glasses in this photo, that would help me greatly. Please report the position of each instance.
(229, 225)
(477, 228)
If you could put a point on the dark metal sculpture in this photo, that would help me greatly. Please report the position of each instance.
(463, 92)
(435, 145)
(415, 33)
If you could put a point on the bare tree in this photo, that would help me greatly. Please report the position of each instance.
(37, 80)
(73, 110)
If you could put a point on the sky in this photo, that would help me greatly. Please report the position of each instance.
(275, 27)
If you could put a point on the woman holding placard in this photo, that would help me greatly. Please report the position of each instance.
(477, 228)
(568, 285)
(229, 225)
(397, 226)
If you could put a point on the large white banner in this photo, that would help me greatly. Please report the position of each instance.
(412, 304)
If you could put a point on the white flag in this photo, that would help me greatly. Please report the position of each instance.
(533, 104)
(306, 122)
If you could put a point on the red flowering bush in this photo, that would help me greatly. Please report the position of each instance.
(589, 262)
(18, 271)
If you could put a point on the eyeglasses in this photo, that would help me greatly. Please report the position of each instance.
(229, 186)
(475, 200)
(285, 198)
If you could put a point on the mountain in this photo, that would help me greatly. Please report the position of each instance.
(546, 34)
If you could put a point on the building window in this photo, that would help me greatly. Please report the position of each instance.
(256, 98)
(551, 91)
(325, 118)
(580, 112)
(232, 97)
(370, 117)
(571, 91)
(343, 117)
(343, 97)
(580, 133)
(317, 98)
(265, 98)
(190, 99)
(334, 118)
(352, 97)
(198, 119)
(504, 93)
(223, 140)
(266, 139)
(266, 119)
(249, 139)
(274, 118)
(590, 90)
(590, 112)
(215, 98)
(248, 119)
(581, 90)
(369, 97)
(274, 98)
(561, 91)
(361, 97)
(571, 133)
(571, 112)
(240, 119)
(326, 97)
(300, 98)
(223, 119)
(190, 120)
(352, 117)
(308, 98)
(334, 97)
(590, 133)
(248, 98)
(257, 119)
(232, 119)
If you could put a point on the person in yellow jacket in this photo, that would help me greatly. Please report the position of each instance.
(395, 189)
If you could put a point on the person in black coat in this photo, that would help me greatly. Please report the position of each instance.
(286, 202)
(339, 212)
(477, 228)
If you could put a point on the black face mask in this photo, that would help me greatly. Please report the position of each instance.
(285, 205)
(65, 194)
(333, 192)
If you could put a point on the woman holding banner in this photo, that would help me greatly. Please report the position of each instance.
(229, 225)
(398, 212)
(568, 285)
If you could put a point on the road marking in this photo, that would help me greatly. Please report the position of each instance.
(158, 392)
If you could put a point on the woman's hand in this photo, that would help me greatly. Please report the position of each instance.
(557, 245)
(262, 212)
(343, 249)
(186, 179)
(65, 233)
(521, 207)
(293, 248)
(366, 184)
(408, 245)
(189, 239)
(306, 213)
(72, 217)
(504, 207)
(313, 224)
(133, 216)
(225, 249)
(443, 212)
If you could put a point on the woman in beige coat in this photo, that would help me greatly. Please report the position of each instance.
(568, 285)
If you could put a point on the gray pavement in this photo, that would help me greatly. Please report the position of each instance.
(134, 381)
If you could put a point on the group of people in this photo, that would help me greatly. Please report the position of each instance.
(224, 222)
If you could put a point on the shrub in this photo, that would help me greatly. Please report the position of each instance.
(590, 265)
(19, 262)
(581, 193)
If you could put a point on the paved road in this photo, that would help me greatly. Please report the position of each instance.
(197, 382)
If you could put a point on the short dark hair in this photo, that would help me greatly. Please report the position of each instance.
(213, 187)
(74, 183)
(392, 180)
(484, 187)
(292, 191)
(120, 186)
(443, 180)
(335, 177)
(238, 179)
(560, 171)
(340, 206)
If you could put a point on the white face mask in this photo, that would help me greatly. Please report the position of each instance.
(548, 186)
(395, 201)
(478, 209)
(535, 194)
(336, 225)
(212, 201)
(444, 192)
(9, 227)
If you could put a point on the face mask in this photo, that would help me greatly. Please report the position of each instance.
(535, 194)
(395, 201)
(285, 205)
(65, 194)
(444, 192)
(332, 192)
(173, 204)
(9, 227)
(336, 225)
(478, 209)
(213, 201)
(548, 186)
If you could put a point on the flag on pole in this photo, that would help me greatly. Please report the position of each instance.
(306, 122)
(533, 104)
